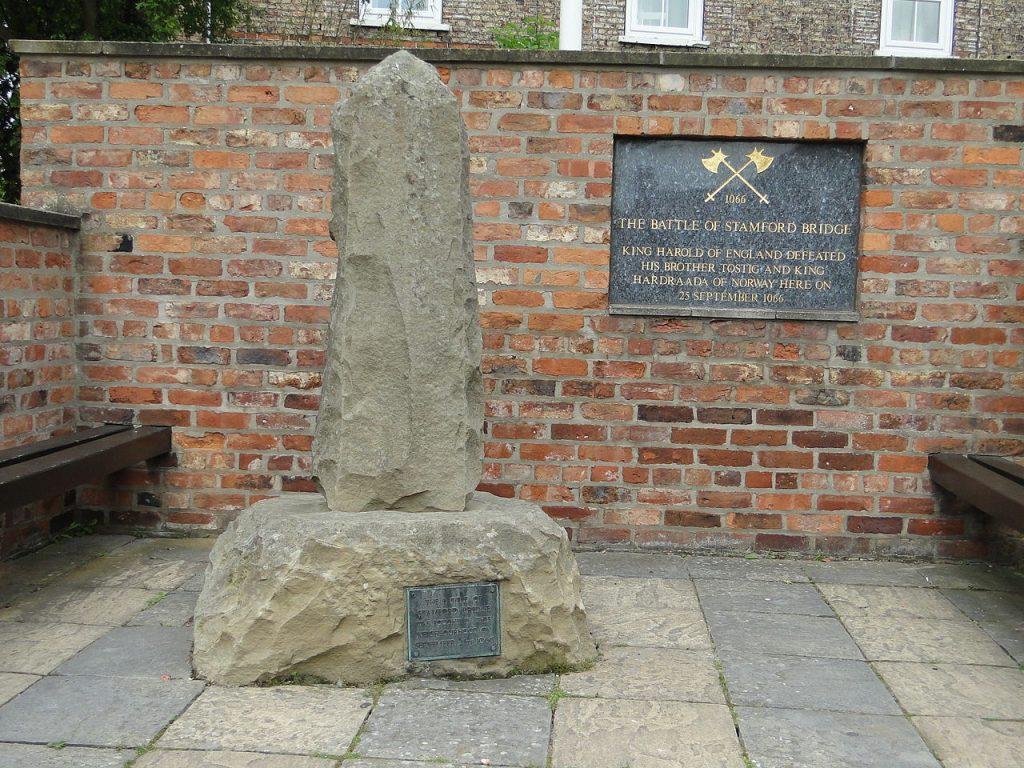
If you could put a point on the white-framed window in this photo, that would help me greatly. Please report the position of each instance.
(411, 14)
(917, 28)
(664, 22)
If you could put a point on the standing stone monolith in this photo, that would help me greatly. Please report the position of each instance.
(318, 584)
(402, 403)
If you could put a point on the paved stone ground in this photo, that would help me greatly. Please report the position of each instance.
(706, 662)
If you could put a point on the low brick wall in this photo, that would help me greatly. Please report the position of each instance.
(37, 348)
(207, 274)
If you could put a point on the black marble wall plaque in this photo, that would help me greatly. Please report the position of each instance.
(713, 228)
(453, 621)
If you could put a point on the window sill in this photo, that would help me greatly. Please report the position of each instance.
(427, 25)
(655, 39)
(914, 53)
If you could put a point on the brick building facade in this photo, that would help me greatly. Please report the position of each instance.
(980, 28)
(734, 434)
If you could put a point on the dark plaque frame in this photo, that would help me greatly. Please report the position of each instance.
(484, 628)
(763, 229)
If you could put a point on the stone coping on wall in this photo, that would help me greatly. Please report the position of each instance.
(39, 216)
(657, 58)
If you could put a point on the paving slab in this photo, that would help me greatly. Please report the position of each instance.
(40, 648)
(162, 758)
(738, 634)
(633, 565)
(994, 607)
(603, 733)
(195, 584)
(282, 719)
(761, 597)
(897, 638)
(614, 592)
(132, 571)
(59, 557)
(800, 738)
(458, 727)
(652, 674)
(13, 683)
(373, 763)
(174, 610)
(650, 627)
(195, 549)
(961, 742)
(519, 685)
(752, 569)
(36, 756)
(95, 711)
(1010, 639)
(984, 576)
(879, 573)
(866, 600)
(794, 682)
(79, 605)
(956, 690)
(154, 652)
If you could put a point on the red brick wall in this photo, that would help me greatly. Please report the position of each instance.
(655, 432)
(37, 352)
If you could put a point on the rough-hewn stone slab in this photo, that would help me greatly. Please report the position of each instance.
(282, 719)
(401, 412)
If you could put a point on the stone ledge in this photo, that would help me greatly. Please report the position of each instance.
(38, 216)
(675, 59)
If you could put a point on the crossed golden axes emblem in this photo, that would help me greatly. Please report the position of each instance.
(718, 158)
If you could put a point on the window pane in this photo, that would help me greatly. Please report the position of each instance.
(648, 13)
(903, 20)
(400, 6)
(927, 27)
(678, 12)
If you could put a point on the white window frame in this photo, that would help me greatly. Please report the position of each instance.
(943, 48)
(639, 33)
(429, 19)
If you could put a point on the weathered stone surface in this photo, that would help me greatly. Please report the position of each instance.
(13, 683)
(912, 602)
(40, 756)
(160, 652)
(296, 588)
(110, 606)
(898, 638)
(657, 674)
(738, 634)
(956, 690)
(39, 648)
(760, 597)
(401, 413)
(962, 742)
(219, 759)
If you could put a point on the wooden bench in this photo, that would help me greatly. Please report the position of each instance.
(990, 483)
(51, 467)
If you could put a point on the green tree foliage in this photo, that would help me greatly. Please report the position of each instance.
(150, 20)
(534, 32)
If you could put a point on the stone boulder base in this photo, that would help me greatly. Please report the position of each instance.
(295, 588)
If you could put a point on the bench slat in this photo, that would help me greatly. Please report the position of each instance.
(58, 472)
(980, 487)
(10, 456)
(1004, 467)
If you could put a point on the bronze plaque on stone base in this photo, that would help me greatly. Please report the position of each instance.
(453, 621)
(746, 229)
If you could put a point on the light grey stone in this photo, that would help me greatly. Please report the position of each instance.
(163, 758)
(459, 727)
(195, 584)
(108, 606)
(518, 685)
(661, 674)
(1010, 639)
(737, 634)
(174, 610)
(879, 573)
(374, 763)
(632, 565)
(797, 738)
(752, 569)
(956, 690)
(912, 602)
(58, 558)
(37, 756)
(607, 593)
(340, 580)
(401, 414)
(961, 742)
(983, 576)
(760, 597)
(601, 733)
(649, 627)
(795, 682)
(994, 607)
(38, 648)
(13, 683)
(897, 638)
(196, 550)
(285, 719)
(132, 571)
(95, 711)
(135, 652)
